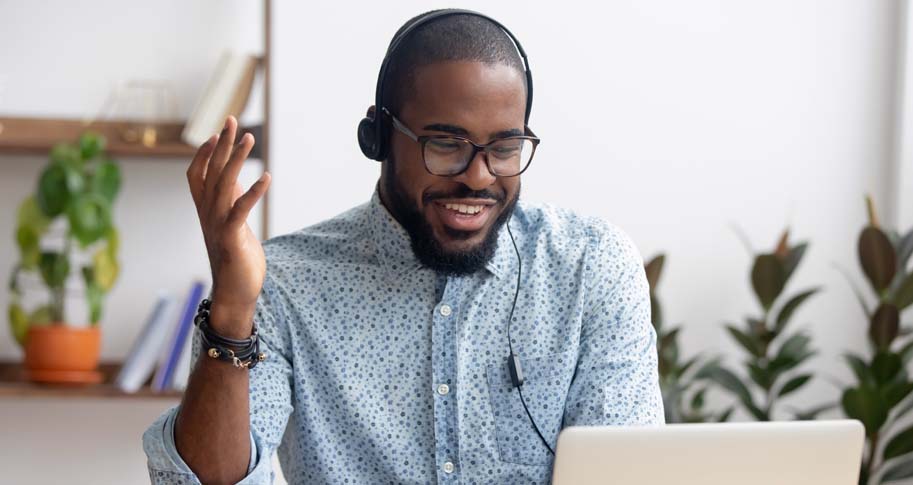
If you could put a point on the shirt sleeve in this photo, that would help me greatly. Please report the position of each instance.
(270, 404)
(616, 382)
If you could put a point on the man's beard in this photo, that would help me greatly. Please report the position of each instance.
(426, 247)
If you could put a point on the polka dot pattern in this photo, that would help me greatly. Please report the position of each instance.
(362, 339)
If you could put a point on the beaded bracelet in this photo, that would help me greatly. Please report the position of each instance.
(246, 353)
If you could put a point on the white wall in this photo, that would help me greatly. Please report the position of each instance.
(672, 119)
(61, 59)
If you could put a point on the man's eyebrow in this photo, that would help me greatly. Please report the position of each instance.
(456, 130)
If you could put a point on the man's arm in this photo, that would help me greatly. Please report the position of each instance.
(617, 380)
(223, 432)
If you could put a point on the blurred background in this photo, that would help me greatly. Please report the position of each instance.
(698, 127)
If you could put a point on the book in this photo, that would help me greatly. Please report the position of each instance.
(169, 358)
(146, 349)
(226, 94)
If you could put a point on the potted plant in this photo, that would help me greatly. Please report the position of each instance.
(773, 356)
(882, 396)
(74, 194)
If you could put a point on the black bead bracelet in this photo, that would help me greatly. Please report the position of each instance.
(243, 353)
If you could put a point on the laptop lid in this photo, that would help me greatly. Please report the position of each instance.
(777, 453)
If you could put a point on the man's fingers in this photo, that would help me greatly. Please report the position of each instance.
(229, 176)
(220, 156)
(246, 202)
(196, 172)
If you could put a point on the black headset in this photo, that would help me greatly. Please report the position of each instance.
(374, 130)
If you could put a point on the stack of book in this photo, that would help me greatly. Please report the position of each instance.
(162, 349)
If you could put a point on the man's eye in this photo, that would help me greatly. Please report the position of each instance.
(444, 145)
(505, 151)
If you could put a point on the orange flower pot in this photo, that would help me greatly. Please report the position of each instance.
(63, 354)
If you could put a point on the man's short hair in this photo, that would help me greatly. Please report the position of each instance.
(458, 37)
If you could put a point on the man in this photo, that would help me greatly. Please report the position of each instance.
(442, 332)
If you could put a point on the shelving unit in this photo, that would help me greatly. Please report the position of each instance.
(36, 136)
(14, 384)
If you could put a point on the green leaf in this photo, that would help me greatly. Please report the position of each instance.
(767, 278)
(90, 217)
(897, 390)
(794, 384)
(793, 258)
(747, 342)
(864, 403)
(884, 326)
(65, 154)
(905, 249)
(898, 471)
(906, 352)
(879, 261)
(900, 444)
(106, 180)
(19, 323)
(863, 374)
(885, 366)
(53, 193)
(55, 267)
(91, 145)
(95, 296)
(724, 416)
(903, 297)
(759, 375)
(795, 347)
(30, 215)
(729, 381)
(654, 269)
(787, 311)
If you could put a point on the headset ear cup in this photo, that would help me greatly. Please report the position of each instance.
(367, 139)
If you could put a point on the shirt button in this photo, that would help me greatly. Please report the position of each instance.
(446, 310)
(443, 389)
(448, 467)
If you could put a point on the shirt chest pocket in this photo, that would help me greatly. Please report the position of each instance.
(544, 390)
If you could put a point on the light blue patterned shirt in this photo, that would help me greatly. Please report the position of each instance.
(382, 371)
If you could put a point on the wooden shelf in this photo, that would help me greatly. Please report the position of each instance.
(14, 384)
(36, 136)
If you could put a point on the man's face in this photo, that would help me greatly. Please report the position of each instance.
(475, 100)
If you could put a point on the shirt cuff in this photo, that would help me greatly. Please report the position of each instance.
(166, 465)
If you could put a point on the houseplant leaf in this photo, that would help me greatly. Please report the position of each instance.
(767, 279)
(885, 325)
(106, 269)
(91, 145)
(746, 341)
(885, 366)
(19, 323)
(53, 193)
(900, 444)
(860, 369)
(877, 256)
(89, 216)
(42, 315)
(106, 180)
(55, 267)
(787, 311)
(792, 259)
(28, 242)
(794, 384)
(30, 215)
(904, 295)
(864, 404)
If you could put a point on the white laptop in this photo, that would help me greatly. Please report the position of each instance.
(778, 453)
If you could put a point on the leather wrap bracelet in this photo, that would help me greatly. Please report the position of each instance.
(243, 353)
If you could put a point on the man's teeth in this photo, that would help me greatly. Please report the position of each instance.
(464, 209)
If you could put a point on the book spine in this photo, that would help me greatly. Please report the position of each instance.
(163, 379)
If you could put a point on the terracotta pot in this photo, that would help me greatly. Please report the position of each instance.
(61, 353)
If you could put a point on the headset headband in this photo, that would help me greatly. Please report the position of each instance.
(437, 14)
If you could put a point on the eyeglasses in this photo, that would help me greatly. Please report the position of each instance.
(449, 155)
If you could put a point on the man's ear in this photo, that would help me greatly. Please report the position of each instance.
(371, 111)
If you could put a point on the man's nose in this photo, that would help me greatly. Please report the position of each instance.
(477, 176)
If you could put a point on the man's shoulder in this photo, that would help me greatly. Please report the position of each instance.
(340, 235)
(541, 219)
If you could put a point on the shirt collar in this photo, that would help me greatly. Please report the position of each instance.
(394, 248)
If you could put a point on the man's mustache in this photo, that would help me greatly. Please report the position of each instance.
(463, 193)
